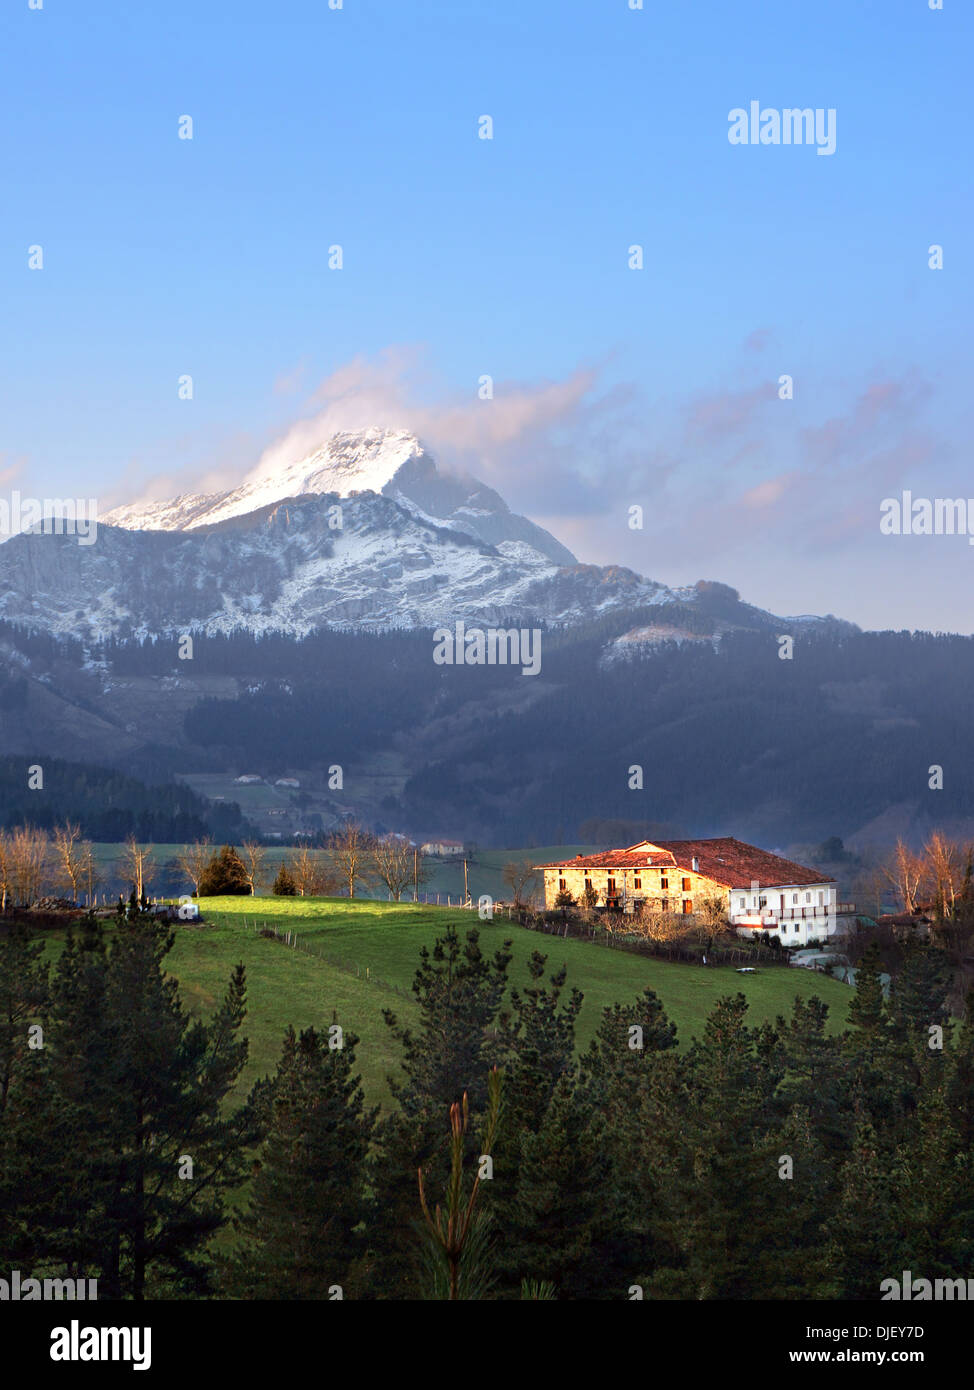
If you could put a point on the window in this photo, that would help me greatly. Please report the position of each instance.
(637, 882)
(561, 885)
(808, 897)
(687, 904)
(762, 901)
(610, 886)
(665, 905)
(687, 885)
(664, 881)
(794, 897)
(743, 903)
(588, 884)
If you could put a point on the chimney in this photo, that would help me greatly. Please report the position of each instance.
(695, 865)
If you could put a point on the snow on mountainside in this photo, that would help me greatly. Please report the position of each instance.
(348, 463)
(412, 547)
(391, 462)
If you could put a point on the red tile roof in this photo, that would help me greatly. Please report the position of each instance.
(615, 859)
(727, 861)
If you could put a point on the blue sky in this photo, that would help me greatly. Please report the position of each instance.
(508, 257)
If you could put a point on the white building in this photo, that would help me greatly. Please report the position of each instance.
(795, 912)
(444, 847)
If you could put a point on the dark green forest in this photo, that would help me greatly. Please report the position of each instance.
(108, 805)
(771, 1162)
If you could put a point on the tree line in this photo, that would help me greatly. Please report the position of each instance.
(771, 1161)
(35, 863)
(353, 860)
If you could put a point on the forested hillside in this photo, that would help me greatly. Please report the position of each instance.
(729, 738)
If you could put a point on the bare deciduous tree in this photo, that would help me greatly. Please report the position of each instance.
(137, 865)
(28, 854)
(905, 871)
(90, 874)
(193, 860)
(712, 917)
(393, 863)
(944, 869)
(667, 926)
(68, 858)
(253, 856)
(6, 870)
(522, 879)
(311, 874)
(352, 850)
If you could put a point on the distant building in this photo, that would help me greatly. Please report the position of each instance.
(249, 777)
(287, 782)
(760, 891)
(442, 847)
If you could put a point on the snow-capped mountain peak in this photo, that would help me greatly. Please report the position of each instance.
(390, 463)
(411, 546)
(365, 461)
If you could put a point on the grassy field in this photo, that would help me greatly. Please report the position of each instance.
(353, 956)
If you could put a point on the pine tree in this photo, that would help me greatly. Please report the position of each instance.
(459, 992)
(175, 1151)
(284, 884)
(538, 1042)
(960, 1080)
(863, 1228)
(931, 1179)
(816, 1077)
(300, 1231)
(460, 1255)
(874, 1054)
(225, 875)
(715, 1151)
(558, 1222)
(69, 1092)
(23, 990)
(920, 1017)
(135, 1204)
(630, 1065)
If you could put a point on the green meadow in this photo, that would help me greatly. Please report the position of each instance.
(353, 956)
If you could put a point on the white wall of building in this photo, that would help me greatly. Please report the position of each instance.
(796, 913)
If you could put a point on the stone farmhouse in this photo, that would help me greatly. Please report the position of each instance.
(759, 891)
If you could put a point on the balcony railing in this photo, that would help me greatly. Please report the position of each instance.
(796, 914)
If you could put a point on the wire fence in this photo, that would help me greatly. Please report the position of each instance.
(346, 964)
